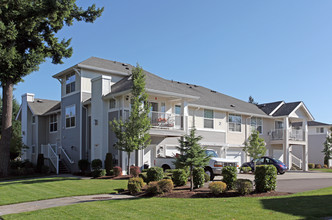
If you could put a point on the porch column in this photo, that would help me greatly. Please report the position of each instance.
(286, 149)
(305, 146)
(185, 113)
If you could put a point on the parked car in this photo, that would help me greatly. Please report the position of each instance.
(281, 167)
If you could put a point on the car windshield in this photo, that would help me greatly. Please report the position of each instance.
(211, 153)
(278, 161)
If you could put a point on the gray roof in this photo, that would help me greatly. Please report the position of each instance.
(43, 106)
(311, 123)
(269, 107)
(107, 64)
(286, 109)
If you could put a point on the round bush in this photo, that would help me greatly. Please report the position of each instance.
(155, 174)
(180, 177)
(311, 165)
(153, 188)
(217, 188)
(83, 165)
(206, 177)
(198, 176)
(318, 166)
(165, 185)
(144, 177)
(98, 173)
(245, 169)
(229, 176)
(135, 171)
(96, 164)
(135, 185)
(117, 171)
(244, 186)
(265, 178)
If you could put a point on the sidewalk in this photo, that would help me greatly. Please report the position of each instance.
(49, 203)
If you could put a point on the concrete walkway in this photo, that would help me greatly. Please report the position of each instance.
(49, 203)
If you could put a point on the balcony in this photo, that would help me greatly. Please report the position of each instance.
(293, 134)
(168, 121)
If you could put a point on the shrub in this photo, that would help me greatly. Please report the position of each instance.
(144, 177)
(265, 178)
(144, 170)
(27, 164)
(96, 164)
(318, 166)
(229, 176)
(135, 185)
(153, 188)
(165, 185)
(44, 170)
(135, 171)
(198, 176)
(311, 165)
(217, 188)
(109, 164)
(206, 177)
(180, 177)
(245, 169)
(244, 186)
(40, 163)
(325, 166)
(15, 164)
(155, 174)
(98, 173)
(83, 165)
(167, 178)
(117, 171)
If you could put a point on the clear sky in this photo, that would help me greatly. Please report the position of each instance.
(271, 50)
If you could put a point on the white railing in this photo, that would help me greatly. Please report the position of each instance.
(54, 158)
(297, 161)
(296, 134)
(277, 134)
(63, 152)
(165, 120)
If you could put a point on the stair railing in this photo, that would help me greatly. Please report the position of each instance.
(54, 158)
(63, 152)
(297, 161)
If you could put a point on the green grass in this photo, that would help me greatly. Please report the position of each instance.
(322, 170)
(307, 205)
(46, 188)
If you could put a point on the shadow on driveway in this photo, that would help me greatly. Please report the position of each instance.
(306, 207)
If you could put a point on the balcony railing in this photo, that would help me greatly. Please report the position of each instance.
(293, 134)
(163, 120)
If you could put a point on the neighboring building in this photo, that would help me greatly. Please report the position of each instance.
(96, 91)
(317, 134)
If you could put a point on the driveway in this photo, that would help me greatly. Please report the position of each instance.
(297, 181)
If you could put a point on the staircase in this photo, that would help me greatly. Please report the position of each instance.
(295, 167)
(63, 168)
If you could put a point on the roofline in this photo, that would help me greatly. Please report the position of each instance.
(63, 72)
(306, 109)
(171, 94)
(111, 95)
(18, 113)
(52, 112)
(278, 107)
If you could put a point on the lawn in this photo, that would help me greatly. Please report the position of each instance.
(307, 205)
(322, 170)
(46, 188)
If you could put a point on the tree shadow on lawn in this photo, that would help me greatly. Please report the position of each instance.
(43, 180)
(307, 207)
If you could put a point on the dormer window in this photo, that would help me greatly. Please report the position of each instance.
(70, 83)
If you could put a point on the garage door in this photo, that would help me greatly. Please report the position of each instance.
(236, 155)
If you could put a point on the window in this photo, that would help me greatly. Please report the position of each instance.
(320, 130)
(234, 122)
(53, 123)
(279, 125)
(178, 109)
(33, 119)
(208, 118)
(112, 103)
(70, 83)
(257, 124)
(70, 116)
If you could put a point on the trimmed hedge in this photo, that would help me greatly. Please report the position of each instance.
(229, 176)
(165, 185)
(198, 176)
(109, 164)
(83, 165)
(265, 178)
(206, 177)
(311, 165)
(318, 166)
(117, 171)
(244, 186)
(135, 171)
(155, 174)
(144, 176)
(245, 169)
(217, 187)
(135, 185)
(153, 188)
(180, 177)
(96, 164)
(98, 173)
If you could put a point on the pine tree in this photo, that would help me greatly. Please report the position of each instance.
(192, 154)
(28, 36)
(328, 148)
(255, 146)
(133, 134)
(252, 100)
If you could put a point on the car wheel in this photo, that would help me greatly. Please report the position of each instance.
(165, 167)
(282, 173)
(209, 172)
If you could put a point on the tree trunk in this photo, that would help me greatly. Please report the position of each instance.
(128, 165)
(7, 111)
(191, 179)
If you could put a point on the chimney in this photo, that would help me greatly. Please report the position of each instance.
(28, 97)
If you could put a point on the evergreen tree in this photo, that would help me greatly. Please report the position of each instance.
(328, 148)
(192, 154)
(133, 134)
(255, 146)
(27, 30)
(252, 100)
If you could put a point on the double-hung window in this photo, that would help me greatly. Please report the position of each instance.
(234, 122)
(257, 124)
(70, 83)
(70, 116)
(208, 118)
(53, 123)
(112, 103)
(320, 130)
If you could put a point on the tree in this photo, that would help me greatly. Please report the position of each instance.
(192, 154)
(252, 100)
(255, 146)
(328, 148)
(133, 134)
(27, 30)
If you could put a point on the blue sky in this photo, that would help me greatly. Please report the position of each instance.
(271, 50)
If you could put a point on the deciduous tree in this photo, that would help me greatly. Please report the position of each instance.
(328, 148)
(255, 146)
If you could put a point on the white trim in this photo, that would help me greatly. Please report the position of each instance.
(49, 123)
(171, 93)
(112, 95)
(70, 117)
(281, 104)
(305, 108)
(209, 129)
(103, 70)
(69, 94)
(233, 122)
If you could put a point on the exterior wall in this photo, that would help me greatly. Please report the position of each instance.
(53, 137)
(197, 115)
(111, 137)
(238, 138)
